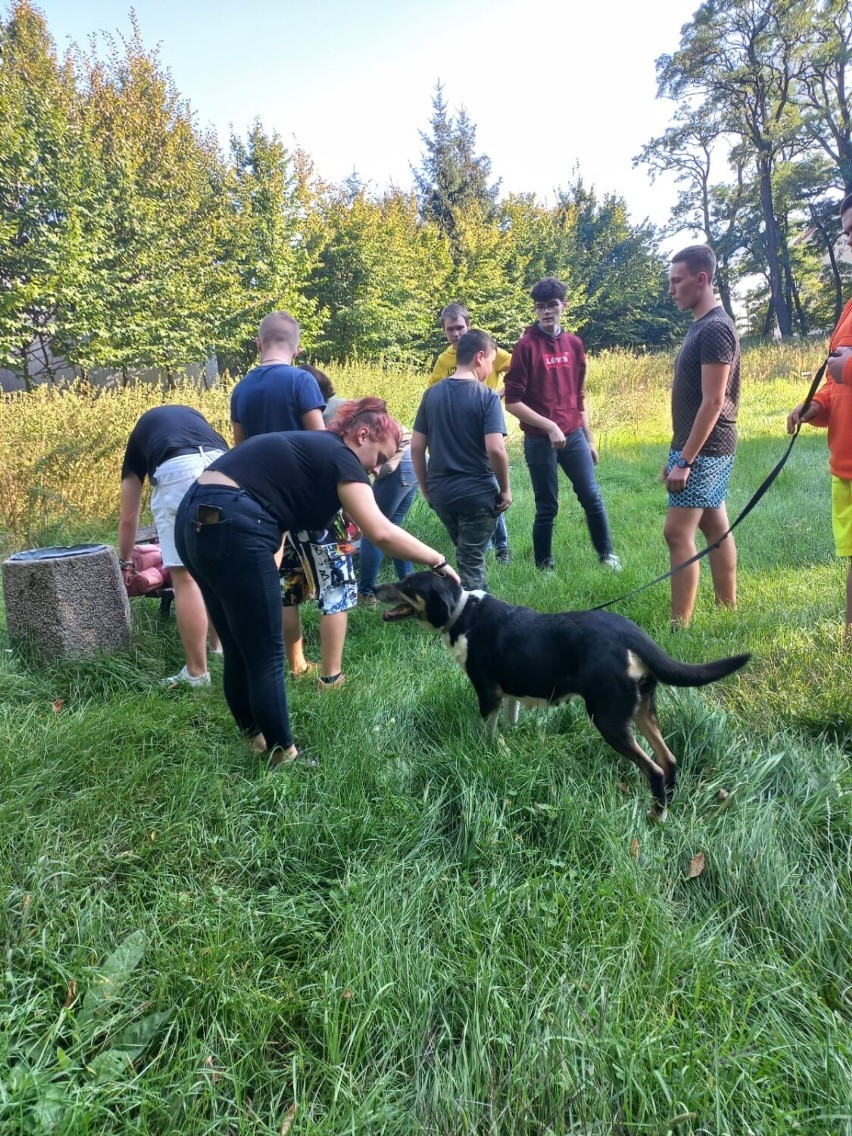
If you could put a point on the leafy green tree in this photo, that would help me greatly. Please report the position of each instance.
(379, 273)
(265, 251)
(623, 277)
(38, 169)
(617, 289)
(155, 224)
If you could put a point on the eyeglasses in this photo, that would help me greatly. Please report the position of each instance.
(550, 306)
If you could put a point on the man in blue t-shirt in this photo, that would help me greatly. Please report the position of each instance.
(275, 395)
(460, 422)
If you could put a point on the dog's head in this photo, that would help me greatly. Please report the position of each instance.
(423, 596)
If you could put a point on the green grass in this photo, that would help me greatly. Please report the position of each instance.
(431, 933)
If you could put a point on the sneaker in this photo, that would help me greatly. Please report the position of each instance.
(339, 680)
(502, 555)
(548, 565)
(611, 561)
(183, 677)
(368, 600)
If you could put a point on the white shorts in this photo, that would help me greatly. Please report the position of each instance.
(170, 482)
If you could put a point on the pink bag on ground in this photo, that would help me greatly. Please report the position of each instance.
(148, 574)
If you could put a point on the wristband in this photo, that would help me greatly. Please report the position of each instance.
(438, 568)
(124, 564)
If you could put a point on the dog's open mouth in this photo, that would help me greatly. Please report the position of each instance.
(404, 611)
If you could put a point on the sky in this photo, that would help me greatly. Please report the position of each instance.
(554, 90)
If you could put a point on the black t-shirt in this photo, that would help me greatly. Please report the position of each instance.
(455, 415)
(293, 474)
(711, 339)
(161, 433)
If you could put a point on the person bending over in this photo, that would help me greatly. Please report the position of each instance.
(230, 529)
(171, 445)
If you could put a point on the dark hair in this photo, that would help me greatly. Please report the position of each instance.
(471, 343)
(369, 412)
(697, 258)
(454, 311)
(846, 203)
(323, 381)
(548, 289)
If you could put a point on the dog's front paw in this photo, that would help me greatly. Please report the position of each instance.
(657, 815)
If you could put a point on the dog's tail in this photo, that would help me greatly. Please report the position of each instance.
(675, 673)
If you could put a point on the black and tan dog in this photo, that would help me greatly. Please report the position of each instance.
(533, 659)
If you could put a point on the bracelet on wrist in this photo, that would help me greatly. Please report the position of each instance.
(438, 568)
(124, 564)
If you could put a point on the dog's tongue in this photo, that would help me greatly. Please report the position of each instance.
(396, 613)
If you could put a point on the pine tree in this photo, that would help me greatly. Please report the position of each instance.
(452, 176)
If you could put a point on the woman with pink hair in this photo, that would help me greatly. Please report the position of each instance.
(230, 528)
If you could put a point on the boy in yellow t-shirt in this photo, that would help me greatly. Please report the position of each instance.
(455, 321)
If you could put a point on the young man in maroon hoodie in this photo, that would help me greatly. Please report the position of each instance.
(544, 390)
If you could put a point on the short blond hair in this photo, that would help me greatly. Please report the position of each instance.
(279, 328)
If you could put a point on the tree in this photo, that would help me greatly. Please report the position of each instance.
(378, 273)
(452, 177)
(825, 89)
(37, 173)
(264, 253)
(744, 59)
(687, 150)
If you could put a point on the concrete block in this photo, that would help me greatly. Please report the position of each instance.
(66, 601)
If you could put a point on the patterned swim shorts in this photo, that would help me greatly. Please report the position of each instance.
(318, 566)
(707, 485)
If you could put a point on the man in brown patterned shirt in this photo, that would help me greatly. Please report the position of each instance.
(705, 400)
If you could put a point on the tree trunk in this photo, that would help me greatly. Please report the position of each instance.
(828, 242)
(25, 369)
(776, 286)
(724, 291)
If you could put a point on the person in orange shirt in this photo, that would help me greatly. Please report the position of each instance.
(832, 407)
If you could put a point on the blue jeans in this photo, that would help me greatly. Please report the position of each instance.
(501, 536)
(232, 562)
(394, 495)
(470, 531)
(575, 460)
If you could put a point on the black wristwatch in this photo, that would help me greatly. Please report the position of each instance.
(682, 463)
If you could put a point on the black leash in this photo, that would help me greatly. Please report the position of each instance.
(758, 494)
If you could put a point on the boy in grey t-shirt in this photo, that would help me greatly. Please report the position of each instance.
(460, 422)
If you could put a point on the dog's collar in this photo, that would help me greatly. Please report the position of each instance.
(457, 610)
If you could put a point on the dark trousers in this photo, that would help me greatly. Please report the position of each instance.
(232, 563)
(575, 460)
(501, 536)
(394, 495)
(470, 531)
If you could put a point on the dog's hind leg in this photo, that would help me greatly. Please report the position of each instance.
(489, 708)
(511, 710)
(616, 731)
(649, 728)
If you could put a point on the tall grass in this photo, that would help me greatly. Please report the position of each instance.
(431, 933)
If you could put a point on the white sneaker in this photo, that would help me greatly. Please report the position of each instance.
(611, 561)
(183, 676)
